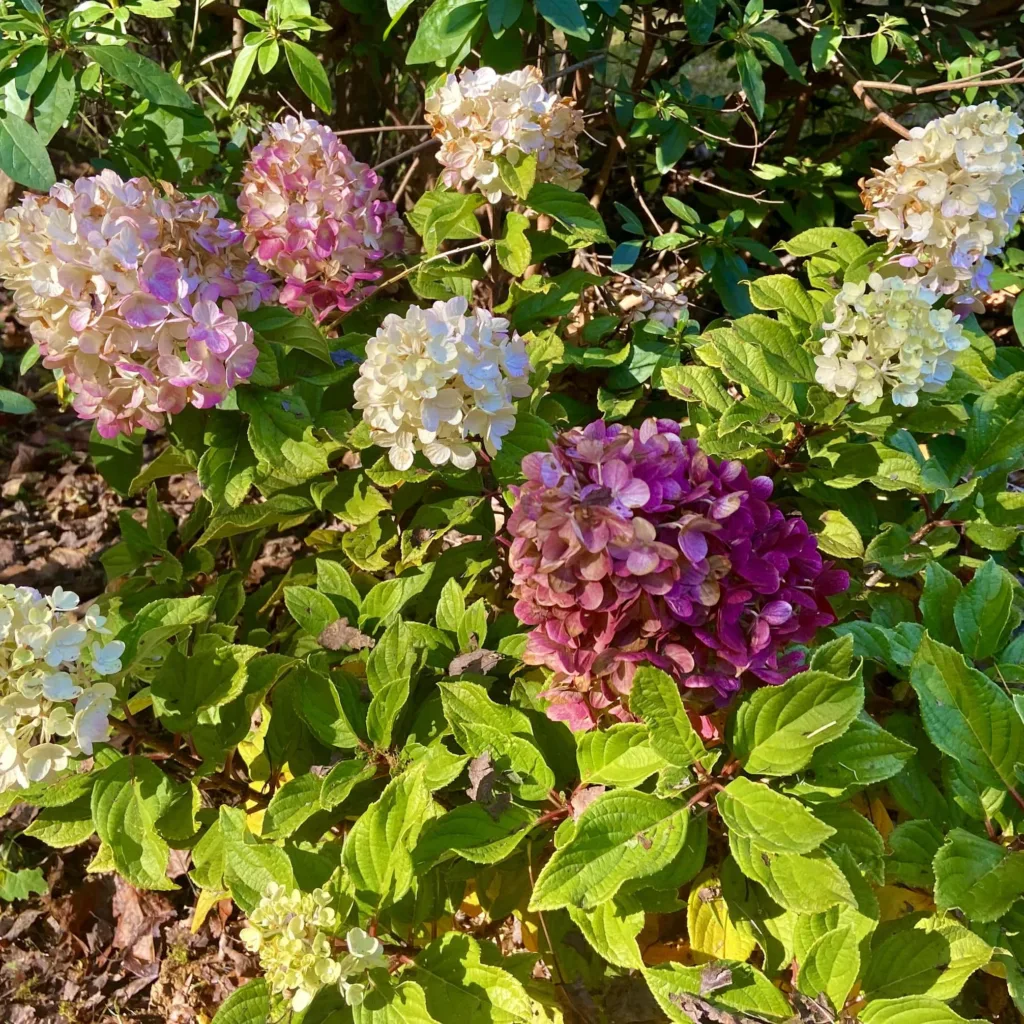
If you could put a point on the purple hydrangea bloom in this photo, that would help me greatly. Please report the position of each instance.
(632, 545)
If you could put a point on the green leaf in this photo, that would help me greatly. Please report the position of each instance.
(803, 883)
(923, 955)
(681, 993)
(840, 538)
(780, 291)
(619, 756)
(482, 726)
(389, 671)
(863, 756)
(64, 826)
(268, 55)
(444, 29)
(977, 876)
(291, 805)
(717, 925)
(249, 1004)
(250, 865)
(128, 798)
(282, 510)
(20, 885)
(54, 99)
(777, 823)
(14, 404)
(475, 833)
(530, 434)
(458, 985)
(332, 720)
(241, 71)
(513, 249)
(831, 965)
(159, 620)
(386, 1004)
(622, 835)
(982, 611)
(967, 716)
(879, 47)
(279, 326)
(451, 606)
(696, 384)
(913, 845)
(565, 15)
(700, 18)
(333, 578)
(996, 433)
(752, 80)
(911, 1010)
(228, 466)
(147, 78)
(777, 729)
(655, 699)
(23, 155)
(313, 611)
(309, 73)
(377, 851)
(342, 779)
(941, 593)
(572, 209)
(825, 46)
(391, 596)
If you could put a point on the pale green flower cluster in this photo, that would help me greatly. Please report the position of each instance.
(886, 332)
(53, 706)
(291, 931)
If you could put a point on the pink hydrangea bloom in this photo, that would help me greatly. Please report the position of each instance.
(632, 545)
(317, 216)
(133, 292)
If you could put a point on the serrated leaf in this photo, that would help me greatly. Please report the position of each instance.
(475, 833)
(655, 699)
(622, 835)
(840, 538)
(982, 611)
(777, 729)
(249, 1004)
(313, 611)
(611, 928)
(777, 823)
(968, 716)
(977, 876)
(911, 1010)
(291, 805)
(678, 989)
(831, 966)
(938, 599)
(715, 928)
(622, 756)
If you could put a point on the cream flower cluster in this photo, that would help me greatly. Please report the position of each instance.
(659, 297)
(317, 216)
(951, 194)
(291, 931)
(481, 115)
(132, 291)
(887, 332)
(436, 376)
(52, 705)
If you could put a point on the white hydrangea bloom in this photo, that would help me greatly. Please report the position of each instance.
(951, 194)
(290, 931)
(659, 297)
(437, 376)
(52, 707)
(887, 332)
(365, 952)
(480, 115)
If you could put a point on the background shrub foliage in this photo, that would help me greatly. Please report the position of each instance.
(362, 728)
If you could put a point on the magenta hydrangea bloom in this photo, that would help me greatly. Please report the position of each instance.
(632, 545)
(133, 291)
(317, 216)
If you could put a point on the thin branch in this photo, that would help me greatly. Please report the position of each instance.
(575, 67)
(385, 128)
(756, 196)
(406, 152)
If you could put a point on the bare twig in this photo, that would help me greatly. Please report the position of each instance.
(575, 67)
(385, 128)
(406, 152)
(756, 196)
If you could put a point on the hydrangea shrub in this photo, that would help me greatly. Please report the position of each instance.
(647, 643)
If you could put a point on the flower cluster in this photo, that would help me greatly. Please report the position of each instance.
(290, 931)
(659, 297)
(52, 705)
(886, 331)
(951, 194)
(317, 216)
(632, 545)
(480, 116)
(133, 293)
(436, 376)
